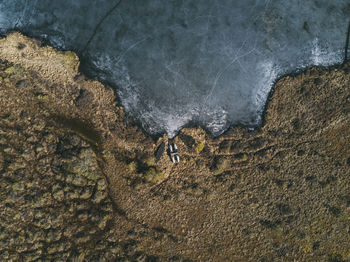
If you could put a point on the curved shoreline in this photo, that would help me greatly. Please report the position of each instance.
(280, 191)
(84, 69)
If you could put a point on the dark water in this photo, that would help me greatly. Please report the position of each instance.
(196, 61)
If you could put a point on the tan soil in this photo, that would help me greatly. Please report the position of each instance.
(80, 181)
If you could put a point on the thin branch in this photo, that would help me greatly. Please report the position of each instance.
(98, 25)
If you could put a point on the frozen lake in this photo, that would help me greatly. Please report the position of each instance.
(180, 62)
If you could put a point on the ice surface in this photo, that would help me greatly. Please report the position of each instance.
(196, 61)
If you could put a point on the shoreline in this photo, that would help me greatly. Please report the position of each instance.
(84, 72)
(277, 192)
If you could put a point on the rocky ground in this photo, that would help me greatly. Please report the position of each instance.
(80, 181)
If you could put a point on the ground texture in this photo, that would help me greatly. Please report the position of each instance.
(80, 181)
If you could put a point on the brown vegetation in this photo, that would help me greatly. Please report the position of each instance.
(79, 181)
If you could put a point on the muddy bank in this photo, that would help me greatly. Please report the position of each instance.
(80, 181)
